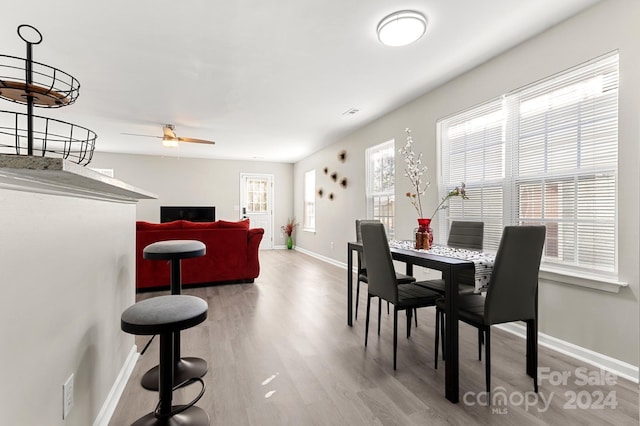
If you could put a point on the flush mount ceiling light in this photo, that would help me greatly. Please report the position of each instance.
(402, 28)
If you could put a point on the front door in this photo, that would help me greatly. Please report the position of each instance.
(256, 203)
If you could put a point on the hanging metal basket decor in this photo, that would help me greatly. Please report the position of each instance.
(34, 84)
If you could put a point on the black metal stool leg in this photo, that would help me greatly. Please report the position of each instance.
(192, 416)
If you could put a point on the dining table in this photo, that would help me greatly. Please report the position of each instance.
(441, 260)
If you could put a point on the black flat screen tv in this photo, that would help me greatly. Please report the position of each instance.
(193, 214)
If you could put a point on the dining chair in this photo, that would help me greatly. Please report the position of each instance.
(362, 266)
(511, 294)
(464, 235)
(383, 283)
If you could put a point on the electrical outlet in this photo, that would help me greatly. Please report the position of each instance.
(67, 397)
(331, 245)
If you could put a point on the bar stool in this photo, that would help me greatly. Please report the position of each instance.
(167, 315)
(174, 251)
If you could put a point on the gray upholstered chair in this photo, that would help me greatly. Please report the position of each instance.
(362, 265)
(464, 235)
(383, 283)
(512, 292)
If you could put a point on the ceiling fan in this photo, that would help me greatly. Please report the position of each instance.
(169, 138)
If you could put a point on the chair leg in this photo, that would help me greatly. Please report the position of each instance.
(487, 359)
(437, 338)
(357, 299)
(444, 345)
(532, 351)
(387, 307)
(480, 339)
(395, 336)
(379, 315)
(409, 314)
(415, 316)
(366, 323)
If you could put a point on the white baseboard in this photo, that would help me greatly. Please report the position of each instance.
(615, 366)
(110, 404)
(323, 258)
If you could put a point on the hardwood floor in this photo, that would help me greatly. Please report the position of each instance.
(280, 353)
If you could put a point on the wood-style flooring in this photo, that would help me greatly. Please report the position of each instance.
(280, 353)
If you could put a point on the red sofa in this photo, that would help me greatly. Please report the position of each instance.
(231, 256)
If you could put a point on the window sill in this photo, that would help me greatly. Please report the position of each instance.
(309, 230)
(596, 282)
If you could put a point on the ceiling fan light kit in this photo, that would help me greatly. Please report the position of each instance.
(401, 28)
(169, 143)
(33, 84)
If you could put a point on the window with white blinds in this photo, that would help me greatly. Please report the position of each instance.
(380, 188)
(543, 154)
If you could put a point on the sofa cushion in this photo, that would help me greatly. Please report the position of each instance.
(148, 226)
(199, 225)
(241, 224)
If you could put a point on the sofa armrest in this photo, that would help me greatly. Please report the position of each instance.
(254, 236)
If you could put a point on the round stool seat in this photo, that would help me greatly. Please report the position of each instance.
(174, 249)
(164, 314)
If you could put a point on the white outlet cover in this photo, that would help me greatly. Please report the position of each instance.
(67, 397)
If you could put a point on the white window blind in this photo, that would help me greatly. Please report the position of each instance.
(309, 221)
(543, 154)
(380, 188)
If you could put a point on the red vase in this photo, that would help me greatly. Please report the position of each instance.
(424, 234)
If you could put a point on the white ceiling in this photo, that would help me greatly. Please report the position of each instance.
(266, 79)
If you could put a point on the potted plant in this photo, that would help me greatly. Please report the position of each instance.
(288, 229)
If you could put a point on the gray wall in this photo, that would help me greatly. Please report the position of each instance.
(198, 182)
(67, 275)
(602, 322)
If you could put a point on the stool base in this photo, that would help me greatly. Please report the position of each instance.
(185, 369)
(192, 416)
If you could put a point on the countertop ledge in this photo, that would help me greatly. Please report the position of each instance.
(62, 177)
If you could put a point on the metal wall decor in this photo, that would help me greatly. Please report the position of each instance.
(34, 84)
(342, 157)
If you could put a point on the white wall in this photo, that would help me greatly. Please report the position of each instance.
(67, 274)
(602, 322)
(198, 182)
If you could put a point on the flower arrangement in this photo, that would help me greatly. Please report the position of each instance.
(414, 170)
(289, 227)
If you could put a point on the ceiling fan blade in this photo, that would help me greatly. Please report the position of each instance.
(138, 134)
(196, 140)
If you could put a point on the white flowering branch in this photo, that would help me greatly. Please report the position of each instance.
(414, 170)
(458, 191)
